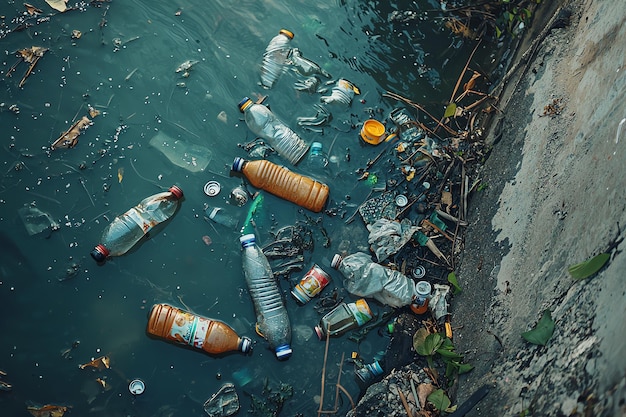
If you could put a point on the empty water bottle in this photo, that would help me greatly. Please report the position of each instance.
(368, 373)
(128, 229)
(342, 93)
(220, 216)
(365, 278)
(265, 124)
(318, 158)
(299, 189)
(271, 314)
(274, 58)
(304, 65)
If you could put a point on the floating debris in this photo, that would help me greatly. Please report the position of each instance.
(48, 410)
(30, 56)
(69, 139)
(103, 362)
(223, 403)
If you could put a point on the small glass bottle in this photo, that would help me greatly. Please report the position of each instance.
(184, 328)
(343, 318)
(128, 229)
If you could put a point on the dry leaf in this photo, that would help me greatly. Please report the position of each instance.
(423, 391)
(120, 174)
(31, 55)
(69, 139)
(101, 382)
(59, 5)
(32, 10)
(446, 198)
(93, 112)
(76, 34)
(99, 363)
(470, 84)
(47, 410)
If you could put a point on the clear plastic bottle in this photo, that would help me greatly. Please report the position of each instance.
(265, 124)
(299, 189)
(184, 328)
(343, 318)
(342, 93)
(305, 66)
(192, 157)
(274, 58)
(271, 314)
(219, 216)
(318, 158)
(365, 278)
(128, 229)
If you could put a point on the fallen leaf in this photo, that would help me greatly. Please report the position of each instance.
(93, 112)
(589, 267)
(99, 363)
(76, 34)
(32, 10)
(423, 391)
(47, 410)
(59, 5)
(542, 331)
(69, 139)
(120, 174)
(32, 54)
(439, 399)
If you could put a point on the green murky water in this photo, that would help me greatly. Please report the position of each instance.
(124, 65)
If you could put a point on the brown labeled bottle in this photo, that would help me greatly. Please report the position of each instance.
(184, 328)
(280, 181)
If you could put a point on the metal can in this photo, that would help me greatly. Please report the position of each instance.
(311, 285)
(239, 196)
(420, 304)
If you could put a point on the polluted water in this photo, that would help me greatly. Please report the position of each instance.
(99, 112)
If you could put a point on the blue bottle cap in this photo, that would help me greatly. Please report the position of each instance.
(316, 146)
(248, 239)
(238, 164)
(242, 104)
(283, 352)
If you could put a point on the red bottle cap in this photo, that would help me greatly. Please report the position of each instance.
(100, 253)
(178, 193)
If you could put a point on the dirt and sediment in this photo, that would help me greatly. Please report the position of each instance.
(553, 195)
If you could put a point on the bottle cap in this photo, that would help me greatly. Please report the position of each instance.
(245, 346)
(238, 164)
(287, 33)
(419, 272)
(247, 239)
(100, 253)
(336, 261)
(401, 200)
(176, 190)
(136, 387)
(212, 188)
(373, 132)
(319, 332)
(423, 288)
(239, 195)
(316, 146)
(244, 103)
(283, 352)
(376, 368)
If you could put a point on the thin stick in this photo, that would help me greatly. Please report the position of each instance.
(343, 354)
(404, 403)
(319, 411)
(82, 182)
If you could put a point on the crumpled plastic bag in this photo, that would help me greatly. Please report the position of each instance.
(438, 303)
(388, 236)
(365, 278)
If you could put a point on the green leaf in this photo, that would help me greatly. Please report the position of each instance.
(542, 331)
(449, 354)
(498, 33)
(589, 267)
(450, 110)
(456, 288)
(439, 399)
(419, 339)
(465, 368)
(432, 343)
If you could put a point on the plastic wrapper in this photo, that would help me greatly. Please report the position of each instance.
(388, 237)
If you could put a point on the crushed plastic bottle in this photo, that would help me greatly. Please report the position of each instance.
(128, 229)
(272, 319)
(220, 216)
(305, 66)
(342, 93)
(365, 278)
(275, 57)
(263, 123)
(192, 157)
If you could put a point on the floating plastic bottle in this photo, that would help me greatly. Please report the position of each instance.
(365, 278)
(265, 124)
(271, 314)
(342, 93)
(192, 157)
(343, 318)
(219, 216)
(305, 66)
(367, 373)
(299, 189)
(184, 328)
(274, 58)
(128, 229)
(317, 158)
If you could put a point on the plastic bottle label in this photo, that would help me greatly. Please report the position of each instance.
(361, 312)
(188, 329)
(135, 216)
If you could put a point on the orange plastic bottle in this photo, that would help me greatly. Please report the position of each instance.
(299, 189)
(184, 328)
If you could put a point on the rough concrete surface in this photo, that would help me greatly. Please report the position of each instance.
(555, 196)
